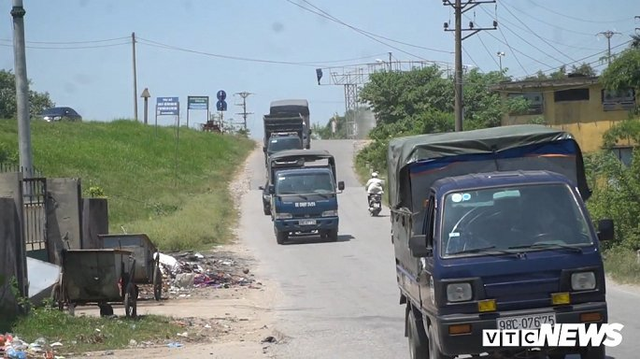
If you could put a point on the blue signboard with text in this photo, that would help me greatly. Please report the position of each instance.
(168, 106)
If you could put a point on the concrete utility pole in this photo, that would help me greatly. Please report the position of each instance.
(244, 112)
(459, 10)
(135, 78)
(22, 89)
(500, 55)
(390, 60)
(609, 34)
(637, 28)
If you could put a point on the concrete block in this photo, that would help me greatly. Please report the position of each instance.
(95, 221)
(64, 218)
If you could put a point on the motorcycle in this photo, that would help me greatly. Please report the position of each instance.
(375, 204)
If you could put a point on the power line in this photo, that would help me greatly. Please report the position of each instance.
(334, 19)
(577, 18)
(472, 60)
(535, 34)
(546, 38)
(488, 52)
(229, 57)
(73, 42)
(69, 48)
(550, 24)
(532, 45)
(330, 17)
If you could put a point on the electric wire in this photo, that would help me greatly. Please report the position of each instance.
(579, 19)
(371, 36)
(157, 44)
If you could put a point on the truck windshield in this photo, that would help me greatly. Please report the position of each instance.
(304, 183)
(284, 143)
(528, 217)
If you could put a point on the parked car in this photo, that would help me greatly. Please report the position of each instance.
(60, 114)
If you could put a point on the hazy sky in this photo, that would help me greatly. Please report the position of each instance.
(68, 54)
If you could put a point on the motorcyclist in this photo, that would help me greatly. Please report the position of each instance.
(374, 186)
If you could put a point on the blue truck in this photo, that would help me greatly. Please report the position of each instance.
(491, 232)
(304, 197)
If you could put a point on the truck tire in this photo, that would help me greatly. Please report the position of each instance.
(282, 237)
(333, 235)
(434, 351)
(418, 342)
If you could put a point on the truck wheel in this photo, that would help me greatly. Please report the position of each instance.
(333, 235)
(434, 351)
(418, 342)
(593, 353)
(281, 237)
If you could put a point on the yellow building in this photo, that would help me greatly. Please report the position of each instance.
(578, 105)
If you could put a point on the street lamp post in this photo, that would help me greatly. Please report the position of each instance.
(500, 55)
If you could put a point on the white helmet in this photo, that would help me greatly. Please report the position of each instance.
(374, 175)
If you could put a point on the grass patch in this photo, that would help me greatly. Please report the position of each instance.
(80, 334)
(621, 264)
(136, 171)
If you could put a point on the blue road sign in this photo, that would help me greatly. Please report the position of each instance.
(168, 106)
(221, 105)
(221, 95)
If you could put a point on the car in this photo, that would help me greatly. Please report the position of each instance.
(60, 114)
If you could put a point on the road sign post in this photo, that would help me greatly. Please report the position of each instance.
(221, 105)
(197, 103)
(167, 106)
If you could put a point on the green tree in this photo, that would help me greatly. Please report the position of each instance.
(584, 69)
(624, 71)
(37, 101)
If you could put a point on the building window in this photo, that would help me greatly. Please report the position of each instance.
(571, 95)
(534, 99)
(624, 154)
(618, 100)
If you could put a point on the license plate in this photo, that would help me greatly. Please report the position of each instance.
(307, 222)
(526, 321)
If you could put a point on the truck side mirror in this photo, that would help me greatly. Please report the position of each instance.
(272, 189)
(418, 246)
(341, 185)
(606, 230)
(261, 188)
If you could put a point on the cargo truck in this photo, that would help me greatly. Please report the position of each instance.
(491, 232)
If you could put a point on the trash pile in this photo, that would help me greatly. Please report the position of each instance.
(14, 348)
(183, 272)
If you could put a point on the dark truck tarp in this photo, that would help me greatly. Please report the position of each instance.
(289, 106)
(279, 124)
(416, 162)
(290, 158)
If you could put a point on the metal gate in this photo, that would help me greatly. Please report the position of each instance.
(35, 217)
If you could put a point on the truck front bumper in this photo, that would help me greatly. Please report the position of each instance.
(471, 343)
(295, 225)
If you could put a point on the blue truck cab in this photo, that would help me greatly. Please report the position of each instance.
(304, 199)
(491, 231)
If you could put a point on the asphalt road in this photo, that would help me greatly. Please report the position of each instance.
(340, 299)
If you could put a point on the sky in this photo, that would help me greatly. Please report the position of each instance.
(80, 51)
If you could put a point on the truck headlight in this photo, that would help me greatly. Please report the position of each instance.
(583, 281)
(459, 292)
(283, 216)
(331, 213)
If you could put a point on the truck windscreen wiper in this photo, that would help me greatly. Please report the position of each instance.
(548, 245)
(489, 250)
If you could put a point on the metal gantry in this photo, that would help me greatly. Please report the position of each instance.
(352, 78)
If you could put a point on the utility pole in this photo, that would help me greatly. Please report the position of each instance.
(390, 60)
(637, 28)
(459, 10)
(24, 134)
(22, 89)
(135, 78)
(500, 55)
(609, 34)
(244, 112)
